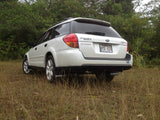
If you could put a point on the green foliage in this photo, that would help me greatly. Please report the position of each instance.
(111, 8)
(22, 23)
(117, 7)
(139, 60)
(10, 50)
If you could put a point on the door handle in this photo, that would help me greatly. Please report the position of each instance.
(35, 48)
(45, 45)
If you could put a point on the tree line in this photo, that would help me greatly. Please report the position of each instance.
(21, 23)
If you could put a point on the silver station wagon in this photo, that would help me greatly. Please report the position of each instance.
(81, 46)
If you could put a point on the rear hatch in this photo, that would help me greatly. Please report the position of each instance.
(98, 40)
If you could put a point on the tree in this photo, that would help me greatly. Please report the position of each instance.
(18, 26)
(117, 7)
(22, 23)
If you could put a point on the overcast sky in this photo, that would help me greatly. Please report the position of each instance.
(143, 8)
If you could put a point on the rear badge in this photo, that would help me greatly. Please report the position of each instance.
(86, 38)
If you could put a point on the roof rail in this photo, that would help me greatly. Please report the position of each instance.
(62, 21)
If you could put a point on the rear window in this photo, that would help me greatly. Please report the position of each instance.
(94, 29)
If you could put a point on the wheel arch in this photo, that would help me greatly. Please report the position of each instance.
(26, 56)
(47, 55)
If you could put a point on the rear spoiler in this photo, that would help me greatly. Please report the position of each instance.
(94, 21)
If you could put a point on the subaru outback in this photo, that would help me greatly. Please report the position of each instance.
(80, 45)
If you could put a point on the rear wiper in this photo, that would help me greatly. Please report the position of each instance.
(96, 33)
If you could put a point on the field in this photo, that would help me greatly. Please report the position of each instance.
(133, 95)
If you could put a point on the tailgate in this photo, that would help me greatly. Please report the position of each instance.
(94, 46)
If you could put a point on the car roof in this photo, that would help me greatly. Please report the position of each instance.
(81, 19)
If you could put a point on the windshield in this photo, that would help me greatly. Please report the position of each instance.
(94, 29)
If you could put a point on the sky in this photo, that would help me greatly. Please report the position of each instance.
(143, 8)
(145, 1)
(142, 4)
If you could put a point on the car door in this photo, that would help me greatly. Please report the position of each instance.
(42, 49)
(34, 57)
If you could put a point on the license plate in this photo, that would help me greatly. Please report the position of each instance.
(106, 48)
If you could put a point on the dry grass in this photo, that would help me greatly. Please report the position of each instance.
(133, 95)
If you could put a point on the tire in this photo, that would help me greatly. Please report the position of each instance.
(104, 76)
(25, 67)
(50, 69)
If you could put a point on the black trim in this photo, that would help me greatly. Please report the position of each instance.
(93, 69)
(128, 57)
(87, 69)
(36, 68)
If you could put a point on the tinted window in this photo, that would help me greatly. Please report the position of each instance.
(60, 30)
(94, 29)
(47, 36)
(41, 38)
(55, 32)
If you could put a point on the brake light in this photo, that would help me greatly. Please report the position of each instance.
(71, 40)
(127, 47)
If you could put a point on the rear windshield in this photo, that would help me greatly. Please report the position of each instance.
(94, 29)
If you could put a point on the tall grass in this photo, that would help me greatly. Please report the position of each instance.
(133, 95)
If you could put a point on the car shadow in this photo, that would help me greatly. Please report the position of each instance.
(79, 81)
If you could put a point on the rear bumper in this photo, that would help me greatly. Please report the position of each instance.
(74, 59)
(93, 69)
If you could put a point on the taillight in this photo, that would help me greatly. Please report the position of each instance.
(127, 47)
(71, 40)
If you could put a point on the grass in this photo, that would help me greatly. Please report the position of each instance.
(133, 95)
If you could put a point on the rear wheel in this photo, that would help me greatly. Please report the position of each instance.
(50, 69)
(25, 66)
(104, 76)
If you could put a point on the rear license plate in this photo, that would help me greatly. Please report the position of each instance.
(105, 48)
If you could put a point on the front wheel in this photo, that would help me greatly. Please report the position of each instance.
(50, 69)
(25, 67)
(104, 76)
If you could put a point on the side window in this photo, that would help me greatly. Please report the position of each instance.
(60, 30)
(41, 38)
(55, 32)
(44, 37)
(47, 36)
